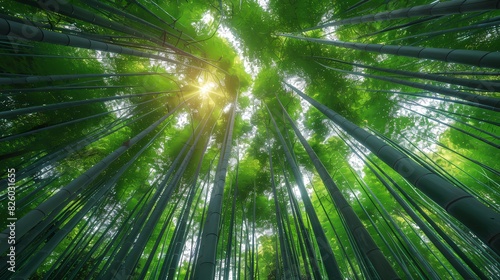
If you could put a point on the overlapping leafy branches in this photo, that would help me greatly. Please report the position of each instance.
(250, 139)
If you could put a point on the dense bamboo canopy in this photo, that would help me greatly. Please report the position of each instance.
(249, 139)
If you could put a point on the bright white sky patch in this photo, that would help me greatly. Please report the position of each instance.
(297, 82)
(201, 26)
(307, 133)
(412, 132)
(301, 85)
(354, 161)
(353, 194)
(118, 106)
(331, 132)
(228, 106)
(168, 66)
(246, 115)
(381, 57)
(103, 56)
(207, 18)
(329, 30)
(264, 4)
(307, 178)
(355, 78)
(357, 164)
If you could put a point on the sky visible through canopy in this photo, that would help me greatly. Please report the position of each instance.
(249, 139)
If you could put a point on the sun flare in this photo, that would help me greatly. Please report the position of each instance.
(206, 89)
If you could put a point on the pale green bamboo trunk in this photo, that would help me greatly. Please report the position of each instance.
(18, 30)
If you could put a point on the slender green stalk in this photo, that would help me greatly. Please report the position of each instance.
(468, 57)
(65, 194)
(205, 265)
(481, 220)
(359, 232)
(329, 262)
(279, 223)
(479, 84)
(438, 8)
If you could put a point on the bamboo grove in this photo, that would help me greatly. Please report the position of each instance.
(250, 139)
